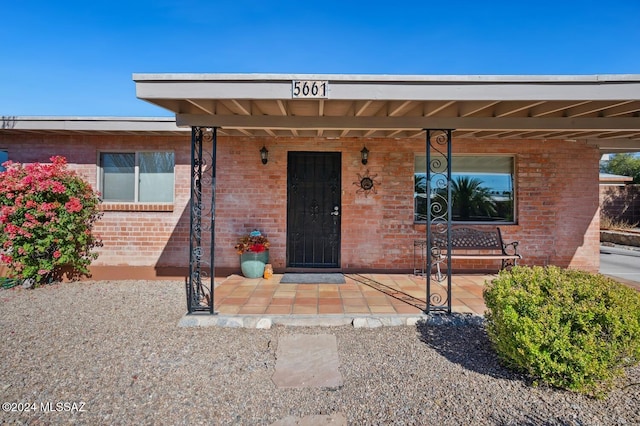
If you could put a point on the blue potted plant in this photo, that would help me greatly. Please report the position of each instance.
(253, 249)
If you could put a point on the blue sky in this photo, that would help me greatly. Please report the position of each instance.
(77, 57)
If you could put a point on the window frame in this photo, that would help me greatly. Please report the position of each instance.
(136, 182)
(514, 198)
(2, 169)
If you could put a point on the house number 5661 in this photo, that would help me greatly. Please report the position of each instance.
(309, 89)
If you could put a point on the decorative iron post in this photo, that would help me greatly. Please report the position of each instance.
(200, 282)
(438, 147)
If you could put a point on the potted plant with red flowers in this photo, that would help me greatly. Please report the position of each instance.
(253, 249)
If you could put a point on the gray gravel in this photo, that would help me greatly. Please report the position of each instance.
(114, 349)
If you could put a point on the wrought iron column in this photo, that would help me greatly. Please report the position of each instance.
(200, 282)
(438, 147)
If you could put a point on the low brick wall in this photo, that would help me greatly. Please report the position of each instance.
(622, 238)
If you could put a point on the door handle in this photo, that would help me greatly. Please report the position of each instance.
(336, 211)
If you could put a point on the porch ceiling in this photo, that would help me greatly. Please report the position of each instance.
(603, 110)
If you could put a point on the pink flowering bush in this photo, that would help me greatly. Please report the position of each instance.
(47, 213)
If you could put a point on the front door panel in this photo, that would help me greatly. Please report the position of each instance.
(313, 209)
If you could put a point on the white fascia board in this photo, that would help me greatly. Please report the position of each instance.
(389, 78)
(489, 92)
(92, 124)
(545, 90)
(213, 90)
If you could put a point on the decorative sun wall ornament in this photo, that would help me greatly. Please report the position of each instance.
(366, 183)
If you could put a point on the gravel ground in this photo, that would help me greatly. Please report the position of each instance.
(114, 350)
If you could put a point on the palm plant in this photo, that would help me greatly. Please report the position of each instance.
(470, 198)
(420, 200)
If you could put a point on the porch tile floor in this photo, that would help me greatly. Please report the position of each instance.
(367, 294)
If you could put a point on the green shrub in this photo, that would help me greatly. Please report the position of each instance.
(47, 213)
(566, 328)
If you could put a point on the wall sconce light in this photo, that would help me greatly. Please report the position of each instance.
(264, 154)
(365, 155)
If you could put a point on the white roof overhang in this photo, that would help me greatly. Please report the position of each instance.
(603, 110)
(91, 125)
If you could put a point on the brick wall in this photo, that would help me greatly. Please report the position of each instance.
(556, 187)
(131, 238)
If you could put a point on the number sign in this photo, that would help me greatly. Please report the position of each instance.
(309, 89)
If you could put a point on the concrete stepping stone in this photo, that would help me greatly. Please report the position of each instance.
(336, 419)
(305, 361)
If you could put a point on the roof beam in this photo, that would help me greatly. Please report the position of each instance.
(399, 108)
(509, 108)
(470, 108)
(614, 145)
(629, 108)
(617, 135)
(282, 107)
(592, 107)
(243, 106)
(409, 123)
(581, 135)
(200, 104)
(494, 134)
(362, 108)
(554, 107)
(412, 135)
(465, 133)
(431, 111)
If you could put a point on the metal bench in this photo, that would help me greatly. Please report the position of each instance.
(467, 243)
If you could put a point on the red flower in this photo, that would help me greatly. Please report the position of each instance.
(73, 205)
(32, 211)
(257, 248)
(254, 242)
(58, 160)
(57, 187)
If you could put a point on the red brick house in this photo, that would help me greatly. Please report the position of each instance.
(534, 142)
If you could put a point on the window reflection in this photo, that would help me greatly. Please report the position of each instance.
(156, 176)
(142, 176)
(4, 156)
(481, 189)
(118, 176)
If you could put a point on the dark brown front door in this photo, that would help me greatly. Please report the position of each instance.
(313, 209)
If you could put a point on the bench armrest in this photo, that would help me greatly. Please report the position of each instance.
(510, 248)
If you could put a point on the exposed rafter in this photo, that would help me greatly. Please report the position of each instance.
(469, 109)
(206, 106)
(506, 109)
(243, 106)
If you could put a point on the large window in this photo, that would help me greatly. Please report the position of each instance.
(4, 156)
(145, 177)
(482, 188)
